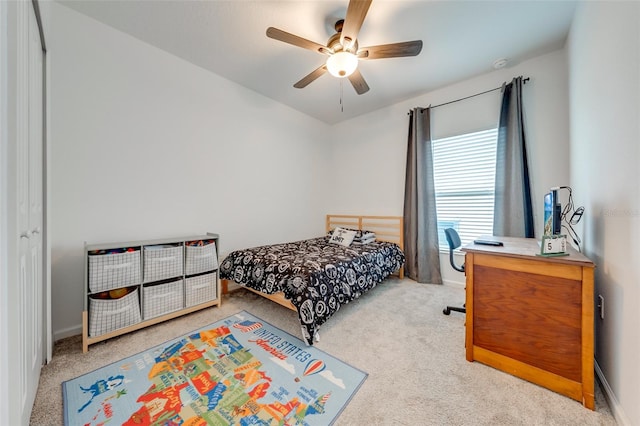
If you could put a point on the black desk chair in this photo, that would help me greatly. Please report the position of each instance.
(454, 242)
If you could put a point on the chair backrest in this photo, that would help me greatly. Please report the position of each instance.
(453, 239)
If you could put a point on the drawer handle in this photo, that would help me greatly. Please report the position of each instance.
(162, 295)
(117, 311)
(200, 256)
(164, 259)
(120, 266)
(199, 286)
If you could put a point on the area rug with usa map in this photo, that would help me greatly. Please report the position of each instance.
(237, 371)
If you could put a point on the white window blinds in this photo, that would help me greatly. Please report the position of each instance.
(464, 173)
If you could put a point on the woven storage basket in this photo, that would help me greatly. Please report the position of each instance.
(161, 299)
(107, 315)
(201, 259)
(200, 289)
(163, 263)
(109, 271)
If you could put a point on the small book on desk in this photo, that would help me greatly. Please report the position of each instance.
(488, 243)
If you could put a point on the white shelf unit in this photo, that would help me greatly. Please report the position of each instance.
(163, 278)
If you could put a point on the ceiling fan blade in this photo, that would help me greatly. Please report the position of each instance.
(358, 83)
(393, 50)
(311, 77)
(356, 12)
(286, 37)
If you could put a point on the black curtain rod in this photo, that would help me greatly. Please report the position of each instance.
(524, 81)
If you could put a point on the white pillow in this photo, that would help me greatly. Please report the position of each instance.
(342, 236)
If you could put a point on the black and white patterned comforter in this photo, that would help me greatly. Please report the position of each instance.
(315, 275)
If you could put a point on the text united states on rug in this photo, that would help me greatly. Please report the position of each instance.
(237, 371)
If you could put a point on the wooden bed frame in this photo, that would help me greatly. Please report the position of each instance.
(386, 228)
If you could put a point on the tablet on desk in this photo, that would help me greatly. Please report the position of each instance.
(488, 243)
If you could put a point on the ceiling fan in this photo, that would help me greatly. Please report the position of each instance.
(342, 48)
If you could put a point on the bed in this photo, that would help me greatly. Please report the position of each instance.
(315, 277)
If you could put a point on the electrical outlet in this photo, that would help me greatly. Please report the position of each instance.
(601, 305)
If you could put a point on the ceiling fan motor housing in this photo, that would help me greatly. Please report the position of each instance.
(334, 41)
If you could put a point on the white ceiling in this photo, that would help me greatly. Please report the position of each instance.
(461, 39)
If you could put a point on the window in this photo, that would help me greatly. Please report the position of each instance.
(464, 170)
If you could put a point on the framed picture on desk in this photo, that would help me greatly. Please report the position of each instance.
(554, 245)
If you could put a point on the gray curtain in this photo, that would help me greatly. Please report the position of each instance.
(420, 221)
(513, 212)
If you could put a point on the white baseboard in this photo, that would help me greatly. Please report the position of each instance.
(614, 404)
(453, 283)
(67, 332)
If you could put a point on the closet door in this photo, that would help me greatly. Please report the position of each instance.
(34, 300)
(29, 195)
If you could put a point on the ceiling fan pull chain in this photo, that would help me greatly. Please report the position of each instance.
(341, 104)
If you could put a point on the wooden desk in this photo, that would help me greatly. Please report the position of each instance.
(532, 316)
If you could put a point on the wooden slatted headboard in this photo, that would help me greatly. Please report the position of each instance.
(386, 228)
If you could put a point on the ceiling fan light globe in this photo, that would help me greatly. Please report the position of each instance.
(342, 64)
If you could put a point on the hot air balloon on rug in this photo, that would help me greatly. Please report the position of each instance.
(314, 366)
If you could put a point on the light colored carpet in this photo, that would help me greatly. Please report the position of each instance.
(397, 333)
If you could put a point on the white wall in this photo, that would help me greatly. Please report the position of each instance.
(604, 74)
(145, 145)
(369, 151)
